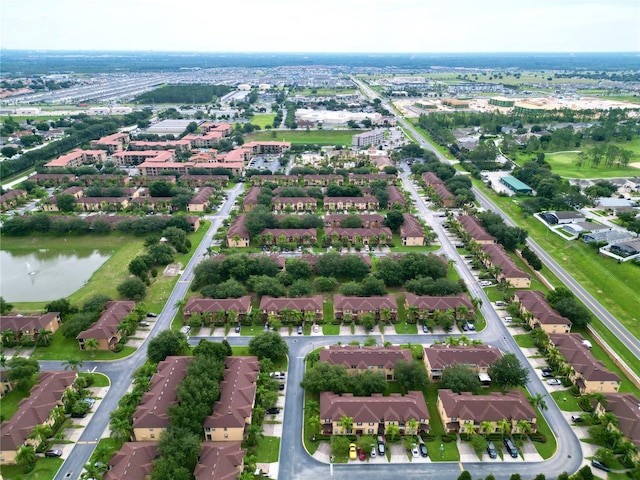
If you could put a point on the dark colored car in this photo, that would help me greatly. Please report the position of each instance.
(78, 415)
(361, 455)
(425, 329)
(152, 315)
(577, 419)
(491, 450)
(281, 386)
(511, 448)
(597, 464)
(547, 374)
(53, 453)
(238, 328)
(380, 447)
(423, 450)
(299, 329)
(273, 410)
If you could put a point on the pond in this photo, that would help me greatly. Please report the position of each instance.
(45, 275)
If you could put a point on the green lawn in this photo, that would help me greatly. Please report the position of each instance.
(268, 450)
(45, 469)
(10, 401)
(548, 448)
(315, 137)
(262, 119)
(451, 453)
(524, 340)
(99, 379)
(328, 329)
(564, 164)
(566, 402)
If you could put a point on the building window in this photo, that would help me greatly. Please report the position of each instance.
(370, 430)
(152, 436)
(371, 424)
(359, 424)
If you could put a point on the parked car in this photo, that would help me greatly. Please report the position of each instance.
(90, 401)
(300, 330)
(598, 464)
(511, 448)
(414, 451)
(373, 452)
(380, 447)
(423, 450)
(237, 329)
(500, 303)
(280, 386)
(277, 375)
(186, 329)
(53, 453)
(78, 414)
(361, 455)
(144, 324)
(554, 381)
(485, 283)
(425, 329)
(547, 369)
(471, 327)
(151, 314)
(273, 411)
(353, 451)
(577, 419)
(547, 374)
(491, 450)
(508, 318)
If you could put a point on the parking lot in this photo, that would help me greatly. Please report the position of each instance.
(265, 162)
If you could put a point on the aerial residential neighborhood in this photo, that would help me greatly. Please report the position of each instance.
(242, 265)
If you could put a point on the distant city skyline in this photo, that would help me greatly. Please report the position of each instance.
(375, 26)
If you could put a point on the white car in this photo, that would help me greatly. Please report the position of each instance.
(485, 283)
(554, 381)
(414, 452)
(186, 329)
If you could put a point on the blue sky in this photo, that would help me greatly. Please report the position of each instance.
(322, 26)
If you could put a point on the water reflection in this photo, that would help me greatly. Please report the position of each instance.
(44, 275)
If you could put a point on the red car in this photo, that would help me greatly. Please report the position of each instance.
(361, 455)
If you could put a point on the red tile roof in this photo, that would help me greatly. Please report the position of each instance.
(134, 461)
(199, 305)
(535, 303)
(580, 358)
(487, 408)
(429, 303)
(394, 408)
(219, 461)
(303, 304)
(441, 356)
(366, 304)
(107, 325)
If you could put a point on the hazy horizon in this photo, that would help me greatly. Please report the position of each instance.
(335, 26)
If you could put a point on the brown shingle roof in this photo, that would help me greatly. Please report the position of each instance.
(365, 357)
(363, 232)
(411, 227)
(338, 217)
(107, 324)
(304, 304)
(152, 412)
(580, 358)
(199, 305)
(499, 257)
(366, 304)
(442, 356)
(395, 195)
(134, 461)
(445, 303)
(31, 322)
(626, 407)
(487, 408)
(534, 302)
(237, 393)
(431, 178)
(219, 461)
(394, 408)
(238, 227)
(35, 409)
(202, 196)
(251, 198)
(473, 227)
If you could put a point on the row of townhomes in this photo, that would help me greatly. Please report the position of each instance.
(411, 232)
(459, 413)
(492, 255)
(359, 179)
(221, 456)
(39, 408)
(438, 191)
(219, 311)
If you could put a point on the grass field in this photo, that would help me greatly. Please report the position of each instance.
(45, 469)
(268, 449)
(301, 137)
(263, 119)
(564, 164)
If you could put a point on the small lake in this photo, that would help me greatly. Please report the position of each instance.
(45, 275)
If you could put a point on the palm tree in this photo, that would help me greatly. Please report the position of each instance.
(524, 427)
(43, 337)
(315, 425)
(463, 312)
(313, 407)
(385, 315)
(232, 317)
(121, 429)
(309, 316)
(40, 433)
(412, 426)
(220, 317)
(346, 423)
(412, 312)
(92, 471)
(505, 427)
(73, 364)
(538, 401)
(26, 456)
(91, 344)
(486, 427)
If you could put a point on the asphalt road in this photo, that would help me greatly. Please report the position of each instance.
(119, 371)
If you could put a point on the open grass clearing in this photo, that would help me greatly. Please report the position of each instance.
(268, 450)
(99, 379)
(45, 469)
(62, 348)
(565, 401)
(524, 340)
(564, 164)
(314, 137)
(262, 119)
(10, 401)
